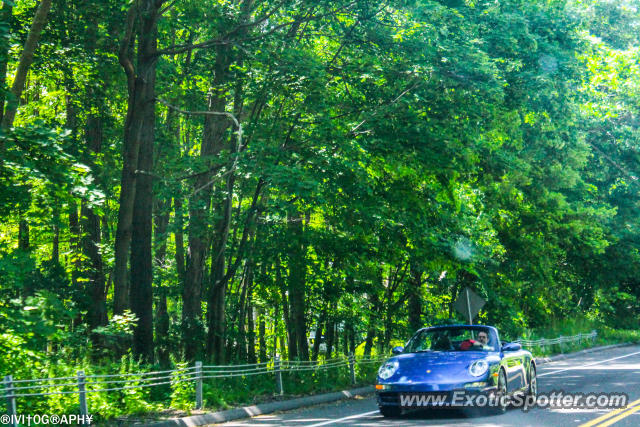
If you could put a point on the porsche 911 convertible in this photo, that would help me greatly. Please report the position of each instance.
(441, 366)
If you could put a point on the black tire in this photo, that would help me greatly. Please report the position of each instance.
(532, 390)
(390, 411)
(502, 391)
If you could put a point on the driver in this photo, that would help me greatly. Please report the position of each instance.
(483, 338)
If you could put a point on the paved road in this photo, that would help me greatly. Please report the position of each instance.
(615, 370)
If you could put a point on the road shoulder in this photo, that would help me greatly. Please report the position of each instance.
(264, 408)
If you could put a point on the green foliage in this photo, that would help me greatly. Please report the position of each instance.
(392, 155)
(117, 334)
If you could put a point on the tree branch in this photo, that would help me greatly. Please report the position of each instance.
(225, 40)
(167, 7)
(245, 233)
(239, 146)
(123, 58)
(258, 21)
(374, 113)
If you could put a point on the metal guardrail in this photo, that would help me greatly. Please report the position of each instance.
(82, 384)
(544, 342)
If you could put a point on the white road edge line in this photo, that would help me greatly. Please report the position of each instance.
(588, 364)
(324, 423)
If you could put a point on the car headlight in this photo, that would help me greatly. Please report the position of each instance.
(387, 369)
(479, 367)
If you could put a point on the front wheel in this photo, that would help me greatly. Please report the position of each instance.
(390, 411)
(501, 394)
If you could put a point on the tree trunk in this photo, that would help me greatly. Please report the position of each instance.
(217, 325)
(292, 342)
(90, 225)
(345, 337)
(6, 14)
(352, 339)
(179, 239)
(74, 241)
(55, 246)
(330, 332)
(24, 242)
(162, 328)
(262, 332)
(276, 330)
(220, 278)
(162, 315)
(415, 299)
(94, 270)
(318, 338)
(372, 324)
(215, 127)
(240, 330)
(251, 333)
(162, 213)
(297, 278)
(141, 287)
(387, 323)
(26, 59)
(138, 135)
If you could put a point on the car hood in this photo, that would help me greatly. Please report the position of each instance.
(438, 367)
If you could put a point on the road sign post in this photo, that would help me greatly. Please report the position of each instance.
(469, 304)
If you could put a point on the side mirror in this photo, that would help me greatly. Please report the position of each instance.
(512, 346)
(397, 350)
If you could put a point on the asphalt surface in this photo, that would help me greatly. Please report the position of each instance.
(612, 371)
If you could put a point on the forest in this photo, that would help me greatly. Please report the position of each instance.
(224, 180)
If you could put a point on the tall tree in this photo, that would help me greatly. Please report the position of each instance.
(136, 200)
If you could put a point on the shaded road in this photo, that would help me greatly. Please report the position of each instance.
(615, 370)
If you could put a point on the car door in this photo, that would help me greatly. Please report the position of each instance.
(513, 362)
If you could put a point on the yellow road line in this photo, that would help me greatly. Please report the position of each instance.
(619, 417)
(630, 407)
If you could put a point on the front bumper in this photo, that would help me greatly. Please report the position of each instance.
(457, 398)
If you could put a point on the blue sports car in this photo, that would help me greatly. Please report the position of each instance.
(457, 365)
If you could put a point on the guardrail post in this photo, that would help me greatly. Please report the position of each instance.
(11, 400)
(278, 371)
(198, 385)
(352, 368)
(82, 393)
(593, 337)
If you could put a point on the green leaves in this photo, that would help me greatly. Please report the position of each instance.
(35, 161)
(416, 146)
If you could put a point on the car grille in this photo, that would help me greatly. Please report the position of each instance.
(393, 397)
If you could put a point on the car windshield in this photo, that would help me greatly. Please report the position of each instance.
(453, 339)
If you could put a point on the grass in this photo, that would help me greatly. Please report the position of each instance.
(224, 393)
